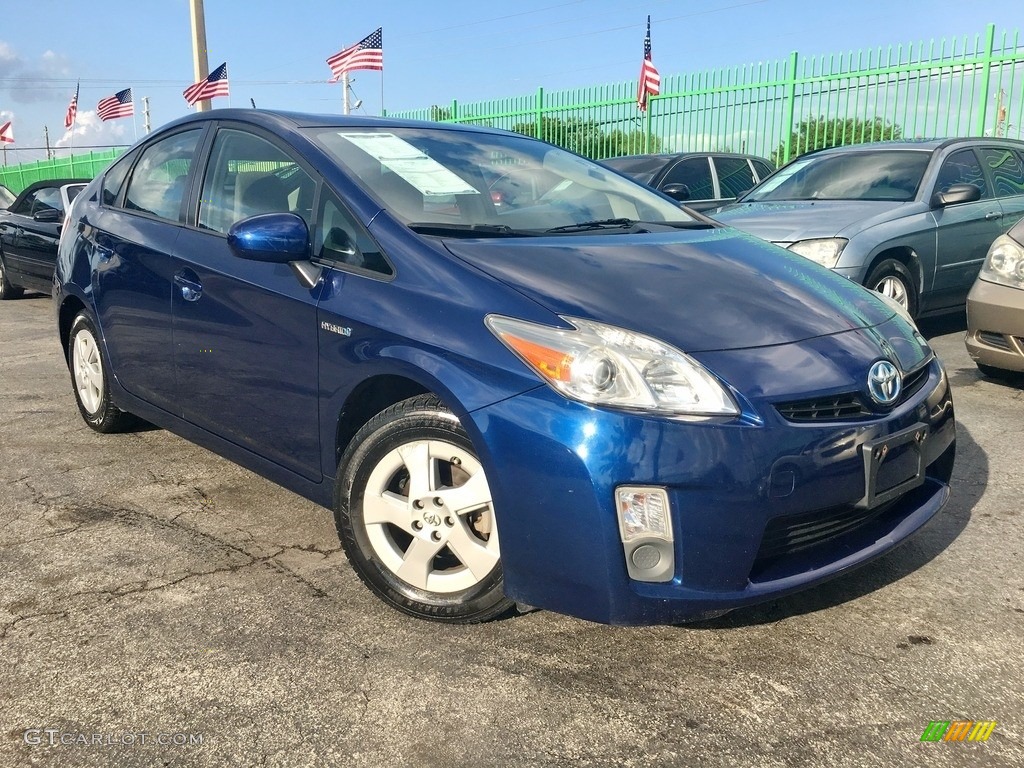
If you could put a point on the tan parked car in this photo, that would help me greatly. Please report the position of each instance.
(995, 307)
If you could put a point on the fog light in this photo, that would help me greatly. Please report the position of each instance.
(645, 528)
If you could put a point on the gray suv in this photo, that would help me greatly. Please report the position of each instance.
(912, 220)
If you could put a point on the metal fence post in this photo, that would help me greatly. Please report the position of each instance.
(990, 40)
(455, 111)
(540, 113)
(790, 108)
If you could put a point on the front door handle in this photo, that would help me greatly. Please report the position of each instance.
(993, 215)
(191, 290)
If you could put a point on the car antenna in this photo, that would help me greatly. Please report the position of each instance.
(253, 102)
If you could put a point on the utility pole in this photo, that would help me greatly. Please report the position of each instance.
(145, 113)
(1000, 112)
(344, 92)
(200, 63)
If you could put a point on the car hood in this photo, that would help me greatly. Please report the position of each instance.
(786, 221)
(713, 289)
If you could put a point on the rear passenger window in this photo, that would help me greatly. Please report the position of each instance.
(1006, 170)
(158, 183)
(763, 169)
(114, 179)
(734, 175)
(695, 173)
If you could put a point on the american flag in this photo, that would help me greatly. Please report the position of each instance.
(7, 133)
(118, 105)
(368, 53)
(650, 80)
(69, 118)
(214, 85)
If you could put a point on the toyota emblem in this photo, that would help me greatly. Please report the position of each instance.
(884, 382)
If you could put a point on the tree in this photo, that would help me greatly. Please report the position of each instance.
(587, 137)
(440, 114)
(820, 132)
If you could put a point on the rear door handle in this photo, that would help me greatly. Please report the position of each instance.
(191, 290)
(993, 215)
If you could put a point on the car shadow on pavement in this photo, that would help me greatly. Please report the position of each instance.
(942, 324)
(970, 476)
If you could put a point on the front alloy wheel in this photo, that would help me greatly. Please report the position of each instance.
(415, 515)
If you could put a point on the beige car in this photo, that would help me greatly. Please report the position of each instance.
(995, 307)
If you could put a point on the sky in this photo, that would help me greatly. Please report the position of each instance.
(434, 52)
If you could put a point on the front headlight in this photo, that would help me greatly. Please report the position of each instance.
(825, 251)
(1004, 263)
(604, 365)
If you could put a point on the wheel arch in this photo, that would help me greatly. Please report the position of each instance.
(366, 400)
(69, 309)
(904, 254)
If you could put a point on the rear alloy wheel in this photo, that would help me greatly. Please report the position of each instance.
(89, 378)
(7, 290)
(415, 516)
(891, 278)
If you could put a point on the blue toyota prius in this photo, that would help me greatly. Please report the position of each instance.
(516, 376)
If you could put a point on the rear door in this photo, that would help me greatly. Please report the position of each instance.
(132, 238)
(1006, 169)
(245, 332)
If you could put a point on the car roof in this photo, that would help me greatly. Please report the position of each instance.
(280, 119)
(928, 145)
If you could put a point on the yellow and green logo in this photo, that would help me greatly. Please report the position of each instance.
(958, 730)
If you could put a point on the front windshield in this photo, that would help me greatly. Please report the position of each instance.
(457, 179)
(892, 175)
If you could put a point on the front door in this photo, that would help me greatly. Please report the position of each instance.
(245, 332)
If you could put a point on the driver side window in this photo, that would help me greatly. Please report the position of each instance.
(961, 167)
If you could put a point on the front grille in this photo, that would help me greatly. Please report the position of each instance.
(787, 535)
(848, 406)
(834, 408)
(994, 340)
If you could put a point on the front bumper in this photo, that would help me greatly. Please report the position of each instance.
(995, 325)
(745, 495)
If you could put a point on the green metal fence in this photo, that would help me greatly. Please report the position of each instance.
(961, 87)
(83, 166)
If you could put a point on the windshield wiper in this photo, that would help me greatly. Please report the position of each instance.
(468, 230)
(632, 225)
(585, 226)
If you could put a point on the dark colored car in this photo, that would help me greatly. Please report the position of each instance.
(701, 180)
(662, 417)
(910, 219)
(29, 232)
(995, 308)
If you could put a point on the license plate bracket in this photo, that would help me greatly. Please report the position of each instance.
(893, 465)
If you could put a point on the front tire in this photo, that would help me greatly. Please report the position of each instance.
(415, 517)
(7, 289)
(891, 278)
(90, 379)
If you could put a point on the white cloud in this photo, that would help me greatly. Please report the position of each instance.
(89, 130)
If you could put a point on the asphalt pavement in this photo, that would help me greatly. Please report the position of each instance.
(160, 605)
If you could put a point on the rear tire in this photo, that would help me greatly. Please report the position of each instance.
(892, 278)
(7, 289)
(90, 379)
(415, 517)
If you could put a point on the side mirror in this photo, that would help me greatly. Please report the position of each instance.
(47, 216)
(677, 191)
(278, 238)
(957, 193)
